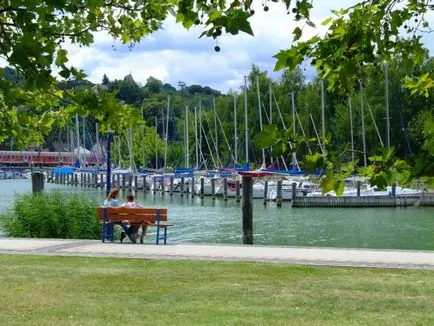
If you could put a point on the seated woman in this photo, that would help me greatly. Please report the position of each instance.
(133, 228)
(112, 198)
(111, 201)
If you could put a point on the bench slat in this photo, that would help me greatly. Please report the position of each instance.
(131, 214)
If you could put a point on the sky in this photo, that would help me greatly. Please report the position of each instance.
(174, 54)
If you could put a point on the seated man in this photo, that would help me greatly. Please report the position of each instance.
(133, 228)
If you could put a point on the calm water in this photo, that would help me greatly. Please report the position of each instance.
(208, 221)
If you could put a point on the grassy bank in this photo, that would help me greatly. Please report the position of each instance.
(52, 215)
(41, 290)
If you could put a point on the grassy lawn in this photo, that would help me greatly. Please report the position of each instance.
(43, 290)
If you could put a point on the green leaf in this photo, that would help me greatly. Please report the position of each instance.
(61, 57)
(328, 183)
(312, 162)
(297, 33)
(267, 137)
(65, 73)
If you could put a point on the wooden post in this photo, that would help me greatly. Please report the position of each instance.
(279, 193)
(37, 182)
(294, 191)
(130, 182)
(155, 183)
(182, 186)
(123, 181)
(394, 193)
(225, 188)
(144, 183)
(171, 186)
(358, 188)
(247, 208)
(237, 191)
(135, 183)
(265, 192)
(213, 188)
(202, 187)
(394, 189)
(193, 186)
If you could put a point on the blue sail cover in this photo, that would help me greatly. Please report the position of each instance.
(63, 170)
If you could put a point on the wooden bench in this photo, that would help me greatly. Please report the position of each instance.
(144, 217)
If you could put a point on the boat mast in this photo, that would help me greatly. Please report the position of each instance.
(187, 163)
(200, 131)
(362, 113)
(235, 131)
(260, 118)
(143, 141)
(316, 133)
(246, 120)
(156, 143)
(195, 136)
(322, 111)
(387, 107)
(351, 129)
(167, 134)
(215, 128)
(98, 146)
(130, 149)
(77, 131)
(293, 129)
(271, 115)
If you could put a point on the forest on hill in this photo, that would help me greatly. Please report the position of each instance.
(292, 110)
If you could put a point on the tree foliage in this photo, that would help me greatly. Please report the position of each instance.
(43, 89)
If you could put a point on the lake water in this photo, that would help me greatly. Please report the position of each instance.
(217, 221)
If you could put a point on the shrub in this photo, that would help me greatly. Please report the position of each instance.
(52, 215)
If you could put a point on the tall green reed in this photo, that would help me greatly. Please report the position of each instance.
(52, 215)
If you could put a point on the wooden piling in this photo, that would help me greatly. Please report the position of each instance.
(37, 182)
(237, 191)
(225, 188)
(247, 209)
(182, 186)
(265, 192)
(213, 188)
(294, 191)
(202, 187)
(193, 186)
(171, 186)
(359, 186)
(124, 177)
(279, 193)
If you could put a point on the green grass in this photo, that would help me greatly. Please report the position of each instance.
(43, 290)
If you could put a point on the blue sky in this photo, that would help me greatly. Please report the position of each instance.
(174, 54)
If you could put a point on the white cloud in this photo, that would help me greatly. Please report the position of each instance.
(173, 53)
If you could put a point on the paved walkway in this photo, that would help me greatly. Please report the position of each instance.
(285, 255)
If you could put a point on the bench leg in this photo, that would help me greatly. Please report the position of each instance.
(107, 232)
(158, 238)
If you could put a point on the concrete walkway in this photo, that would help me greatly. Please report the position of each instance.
(285, 255)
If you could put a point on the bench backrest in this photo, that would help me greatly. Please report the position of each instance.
(117, 214)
